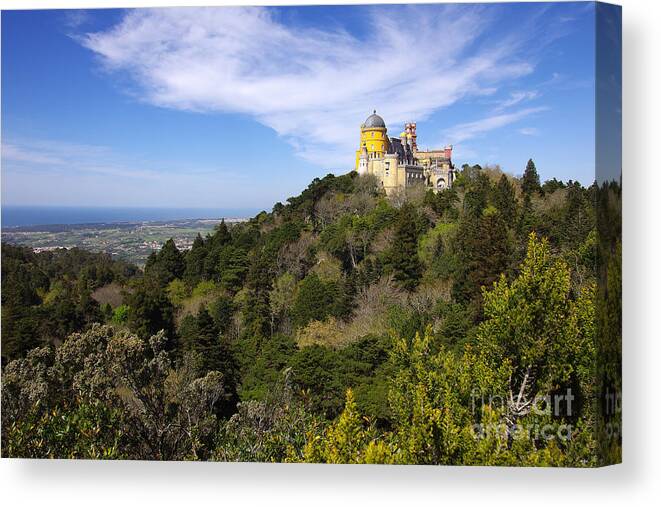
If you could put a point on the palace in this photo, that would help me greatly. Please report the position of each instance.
(397, 162)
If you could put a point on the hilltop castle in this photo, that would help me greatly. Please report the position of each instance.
(397, 162)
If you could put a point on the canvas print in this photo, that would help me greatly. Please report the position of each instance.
(375, 234)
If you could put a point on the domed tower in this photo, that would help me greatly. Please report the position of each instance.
(374, 136)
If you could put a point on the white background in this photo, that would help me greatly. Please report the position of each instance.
(636, 482)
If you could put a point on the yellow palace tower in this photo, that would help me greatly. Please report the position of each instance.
(374, 137)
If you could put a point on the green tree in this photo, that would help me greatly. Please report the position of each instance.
(314, 300)
(166, 264)
(476, 198)
(528, 220)
(578, 216)
(530, 181)
(206, 342)
(404, 253)
(504, 200)
(120, 315)
(232, 267)
(270, 430)
(551, 186)
(484, 250)
(195, 257)
(317, 371)
(347, 440)
(107, 393)
(176, 291)
(222, 311)
(535, 325)
(280, 301)
(150, 311)
(443, 202)
(432, 426)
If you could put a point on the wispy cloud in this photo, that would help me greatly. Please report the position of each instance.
(529, 131)
(516, 98)
(465, 131)
(14, 153)
(308, 84)
(57, 156)
(55, 172)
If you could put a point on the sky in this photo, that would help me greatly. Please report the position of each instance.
(243, 107)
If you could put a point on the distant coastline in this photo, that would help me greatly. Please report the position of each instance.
(16, 217)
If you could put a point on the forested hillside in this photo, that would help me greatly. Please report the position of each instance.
(48, 295)
(343, 326)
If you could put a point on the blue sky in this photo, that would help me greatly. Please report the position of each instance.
(242, 107)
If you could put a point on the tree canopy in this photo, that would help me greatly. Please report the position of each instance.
(477, 325)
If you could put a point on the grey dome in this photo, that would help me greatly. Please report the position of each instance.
(374, 121)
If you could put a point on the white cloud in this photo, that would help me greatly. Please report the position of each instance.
(12, 152)
(529, 131)
(56, 156)
(311, 86)
(465, 131)
(75, 18)
(60, 173)
(516, 98)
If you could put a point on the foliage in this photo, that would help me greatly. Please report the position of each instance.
(108, 394)
(273, 429)
(345, 326)
(120, 314)
(48, 295)
(150, 311)
(165, 265)
(404, 259)
(314, 300)
(530, 180)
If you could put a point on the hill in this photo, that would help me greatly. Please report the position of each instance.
(341, 303)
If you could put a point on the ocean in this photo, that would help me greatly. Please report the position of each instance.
(17, 216)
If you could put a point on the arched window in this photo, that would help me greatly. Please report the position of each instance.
(440, 184)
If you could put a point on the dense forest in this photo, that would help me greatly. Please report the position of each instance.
(477, 325)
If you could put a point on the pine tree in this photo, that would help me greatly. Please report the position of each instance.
(215, 246)
(166, 265)
(206, 342)
(150, 311)
(232, 267)
(221, 310)
(404, 254)
(578, 217)
(530, 180)
(504, 200)
(484, 252)
(477, 195)
(194, 271)
(527, 219)
(314, 300)
(222, 235)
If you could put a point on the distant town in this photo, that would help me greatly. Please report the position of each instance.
(130, 241)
